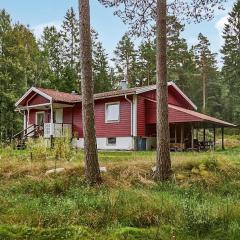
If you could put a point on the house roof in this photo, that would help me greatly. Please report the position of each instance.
(57, 96)
(60, 96)
(179, 114)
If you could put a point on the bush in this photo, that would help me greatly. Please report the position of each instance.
(38, 148)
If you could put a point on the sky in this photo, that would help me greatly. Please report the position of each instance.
(40, 13)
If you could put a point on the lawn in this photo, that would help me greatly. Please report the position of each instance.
(202, 200)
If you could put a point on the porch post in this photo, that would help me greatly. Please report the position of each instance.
(223, 148)
(175, 133)
(24, 122)
(182, 134)
(214, 138)
(192, 136)
(204, 137)
(51, 125)
(28, 113)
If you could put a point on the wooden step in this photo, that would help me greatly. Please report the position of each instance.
(21, 146)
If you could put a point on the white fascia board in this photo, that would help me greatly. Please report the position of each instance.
(183, 95)
(145, 89)
(149, 88)
(153, 87)
(33, 89)
(42, 94)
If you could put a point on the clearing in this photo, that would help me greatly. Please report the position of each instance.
(201, 202)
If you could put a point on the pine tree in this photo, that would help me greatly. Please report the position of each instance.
(125, 60)
(231, 65)
(180, 61)
(101, 76)
(178, 55)
(206, 65)
(146, 71)
(70, 54)
(92, 171)
(70, 36)
(52, 47)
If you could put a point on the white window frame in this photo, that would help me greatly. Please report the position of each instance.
(55, 113)
(111, 144)
(106, 108)
(36, 118)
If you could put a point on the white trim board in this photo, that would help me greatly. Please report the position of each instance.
(122, 143)
(33, 89)
(153, 87)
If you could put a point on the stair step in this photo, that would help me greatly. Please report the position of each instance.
(21, 146)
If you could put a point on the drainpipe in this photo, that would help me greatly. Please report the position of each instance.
(131, 103)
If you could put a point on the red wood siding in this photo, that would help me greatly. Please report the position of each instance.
(67, 115)
(118, 129)
(151, 112)
(174, 115)
(38, 99)
(146, 110)
(32, 115)
(23, 102)
(173, 97)
(77, 120)
(146, 114)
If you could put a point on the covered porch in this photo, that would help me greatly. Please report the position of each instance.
(195, 137)
(48, 119)
(190, 130)
(46, 113)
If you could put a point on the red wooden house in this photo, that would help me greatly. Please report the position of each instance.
(125, 119)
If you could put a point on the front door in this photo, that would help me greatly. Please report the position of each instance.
(40, 118)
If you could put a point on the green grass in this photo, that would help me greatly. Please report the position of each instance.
(201, 202)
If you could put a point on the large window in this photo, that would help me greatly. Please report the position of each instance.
(112, 112)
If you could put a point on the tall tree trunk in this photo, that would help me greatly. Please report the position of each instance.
(204, 92)
(163, 161)
(92, 171)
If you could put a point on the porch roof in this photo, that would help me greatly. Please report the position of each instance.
(61, 96)
(182, 115)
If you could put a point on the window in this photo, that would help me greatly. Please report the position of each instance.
(111, 141)
(58, 115)
(39, 118)
(112, 112)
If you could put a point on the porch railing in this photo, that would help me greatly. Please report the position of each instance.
(59, 130)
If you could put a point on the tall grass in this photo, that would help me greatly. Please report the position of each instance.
(200, 202)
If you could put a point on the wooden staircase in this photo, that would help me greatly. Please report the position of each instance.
(21, 137)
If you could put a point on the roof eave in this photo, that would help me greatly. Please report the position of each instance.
(36, 91)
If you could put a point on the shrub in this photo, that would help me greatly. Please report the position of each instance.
(38, 148)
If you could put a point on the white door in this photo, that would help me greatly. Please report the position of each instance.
(58, 115)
